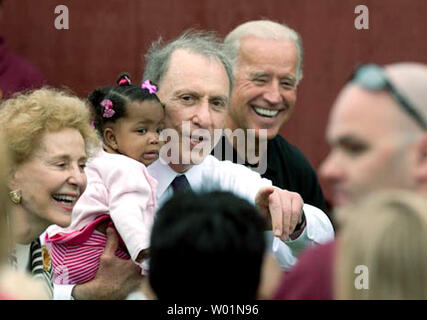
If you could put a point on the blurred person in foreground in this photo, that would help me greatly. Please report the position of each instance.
(377, 131)
(381, 252)
(210, 246)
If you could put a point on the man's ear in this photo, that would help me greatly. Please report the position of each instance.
(421, 169)
(110, 138)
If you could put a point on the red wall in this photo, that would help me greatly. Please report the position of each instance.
(110, 36)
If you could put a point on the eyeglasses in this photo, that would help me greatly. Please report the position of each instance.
(373, 77)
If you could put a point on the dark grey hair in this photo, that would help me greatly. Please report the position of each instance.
(204, 43)
(265, 29)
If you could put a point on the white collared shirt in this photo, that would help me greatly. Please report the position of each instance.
(213, 174)
(22, 253)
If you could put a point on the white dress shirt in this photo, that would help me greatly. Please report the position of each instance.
(213, 174)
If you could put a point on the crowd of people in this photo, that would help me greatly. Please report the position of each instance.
(131, 193)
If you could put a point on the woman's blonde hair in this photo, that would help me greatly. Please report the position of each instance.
(5, 236)
(387, 236)
(25, 117)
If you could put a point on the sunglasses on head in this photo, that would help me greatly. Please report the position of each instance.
(373, 77)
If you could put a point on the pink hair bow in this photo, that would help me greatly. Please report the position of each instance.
(150, 87)
(108, 108)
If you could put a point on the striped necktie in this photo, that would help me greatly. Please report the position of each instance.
(40, 265)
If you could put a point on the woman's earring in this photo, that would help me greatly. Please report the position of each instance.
(15, 196)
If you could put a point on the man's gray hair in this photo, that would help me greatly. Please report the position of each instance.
(203, 43)
(265, 29)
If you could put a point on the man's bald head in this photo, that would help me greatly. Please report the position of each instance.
(375, 142)
(411, 81)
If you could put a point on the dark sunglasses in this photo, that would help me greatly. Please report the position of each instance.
(373, 77)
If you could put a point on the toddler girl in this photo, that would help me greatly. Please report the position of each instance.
(120, 192)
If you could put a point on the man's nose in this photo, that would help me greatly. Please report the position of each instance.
(202, 116)
(273, 93)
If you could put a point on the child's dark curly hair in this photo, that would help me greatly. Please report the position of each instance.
(120, 97)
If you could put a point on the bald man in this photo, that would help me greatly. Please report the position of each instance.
(377, 131)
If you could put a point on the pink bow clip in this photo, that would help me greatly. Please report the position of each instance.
(108, 106)
(150, 87)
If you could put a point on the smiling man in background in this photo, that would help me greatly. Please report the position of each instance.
(267, 62)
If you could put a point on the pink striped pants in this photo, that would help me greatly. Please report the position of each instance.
(75, 257)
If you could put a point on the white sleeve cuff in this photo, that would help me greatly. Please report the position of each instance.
(318, 226)
(63, 291)
(318, 229)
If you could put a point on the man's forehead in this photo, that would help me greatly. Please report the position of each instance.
(191, 71)
(185, 61)
(360, 112)
(263, 45)
(258, 54)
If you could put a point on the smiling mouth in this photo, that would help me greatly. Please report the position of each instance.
(65, 201)
(265, 112)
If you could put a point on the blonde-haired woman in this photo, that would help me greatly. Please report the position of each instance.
(48, 136)
(13, 284)
(5, 239)
(382, 249)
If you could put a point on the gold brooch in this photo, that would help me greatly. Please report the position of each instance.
(47, 263)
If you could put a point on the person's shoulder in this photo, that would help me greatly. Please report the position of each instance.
(107, 163)
(212, 161)
(225, 170)
(280, 143)
(293, 156)
(211, 165)
(311, 277)
(319, 252)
